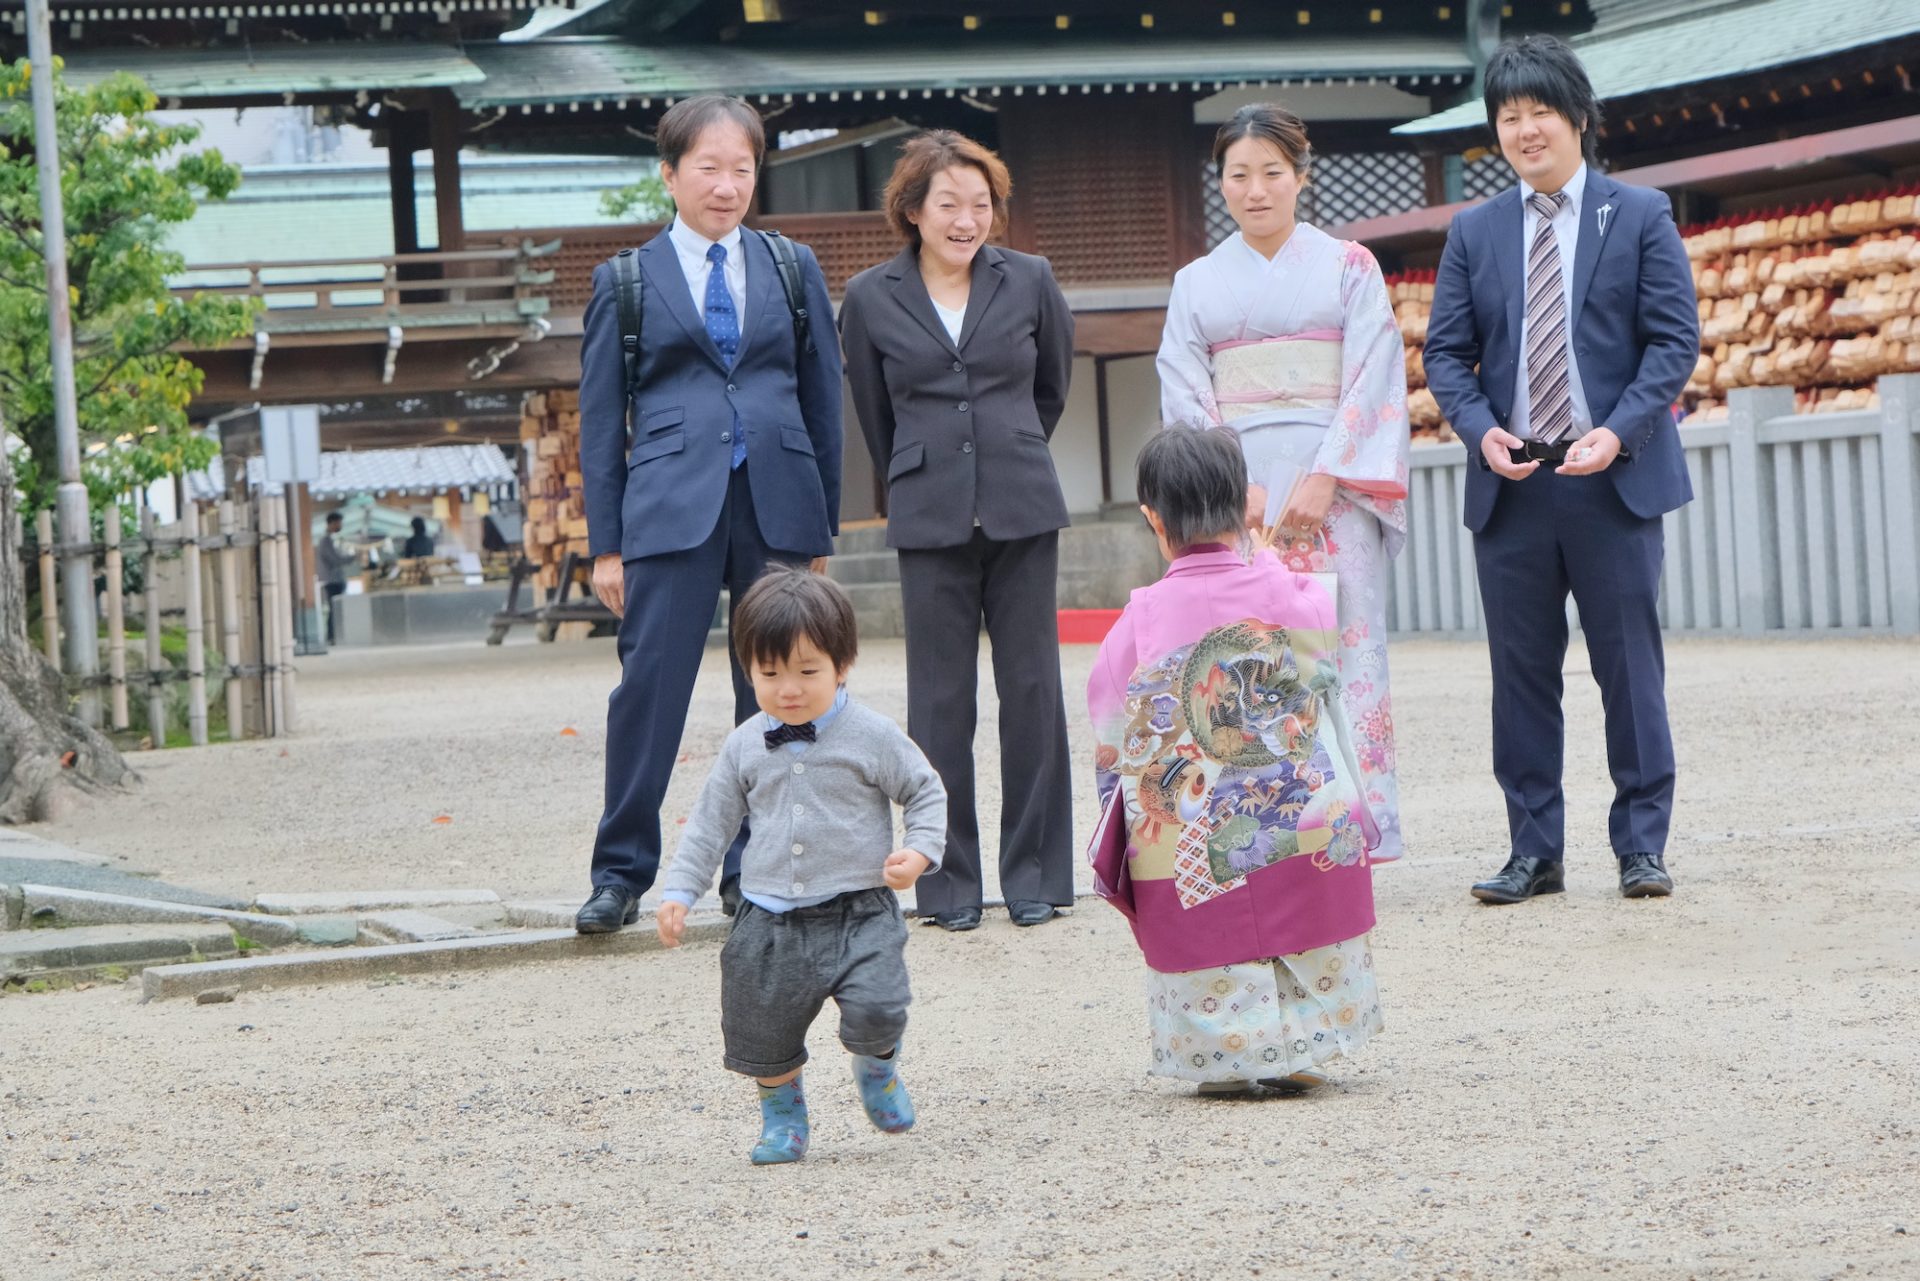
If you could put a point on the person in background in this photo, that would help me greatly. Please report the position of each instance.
(1564, 326)
(334, 563)
(733, 463)
(958, 357)
(420, 543)
(1286, 335)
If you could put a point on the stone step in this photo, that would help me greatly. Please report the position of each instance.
(29, 954)
(865, 567)
(50, 904)
(877, 609)
(412, 927)
(856, 539)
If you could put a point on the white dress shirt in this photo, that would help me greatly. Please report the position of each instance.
(1566, 230)
(692, 248)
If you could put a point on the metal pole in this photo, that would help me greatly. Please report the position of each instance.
(70, 500)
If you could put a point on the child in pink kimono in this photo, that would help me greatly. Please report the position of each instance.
(1236, 834)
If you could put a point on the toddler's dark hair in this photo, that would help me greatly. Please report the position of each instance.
(788, 604)
(1196, 479)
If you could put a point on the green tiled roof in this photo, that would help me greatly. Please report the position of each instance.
(587, 69)
(271, 70)
(1712, 44)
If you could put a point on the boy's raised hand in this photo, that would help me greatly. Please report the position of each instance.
(671, 921)
(904, 867)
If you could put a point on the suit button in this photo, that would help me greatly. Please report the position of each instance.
(962, 406)
(726, 437)
(959, 368)
(966, 447)
(731, 387)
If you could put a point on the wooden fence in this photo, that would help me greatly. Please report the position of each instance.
(1799, 523)
(223, 571)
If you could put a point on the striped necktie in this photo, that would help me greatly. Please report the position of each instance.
(1549, 397)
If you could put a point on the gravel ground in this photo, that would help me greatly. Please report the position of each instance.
(1724, 1084)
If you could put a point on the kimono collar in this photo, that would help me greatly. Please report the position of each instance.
(1205, 558)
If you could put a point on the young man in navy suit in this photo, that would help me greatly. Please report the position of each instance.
(723, 453)
(1564, 327)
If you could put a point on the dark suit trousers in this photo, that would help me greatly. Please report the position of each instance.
(663, 637)
(946, 592)
(1548, 535)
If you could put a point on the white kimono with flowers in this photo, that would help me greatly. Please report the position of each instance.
(1301, 355)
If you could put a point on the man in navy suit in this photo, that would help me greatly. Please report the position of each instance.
(732, 461)
(1564, 327)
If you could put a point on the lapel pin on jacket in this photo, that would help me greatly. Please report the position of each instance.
(1602, 216)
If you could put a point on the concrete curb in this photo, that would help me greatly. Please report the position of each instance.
(363, 963)
(356, 901)
(28, 954)
(89, 907)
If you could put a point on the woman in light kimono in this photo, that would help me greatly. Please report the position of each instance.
(1288, 336)
(1235, 828)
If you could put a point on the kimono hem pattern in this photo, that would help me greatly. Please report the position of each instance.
(1301, 355)
(1238, 830)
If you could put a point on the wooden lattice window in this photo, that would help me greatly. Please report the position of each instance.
(1487, 176)
(1351, 185)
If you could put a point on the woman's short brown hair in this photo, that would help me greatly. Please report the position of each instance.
(1270, 123)
(680, 128)
(925, 157)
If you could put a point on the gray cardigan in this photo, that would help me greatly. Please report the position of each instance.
(821, 818)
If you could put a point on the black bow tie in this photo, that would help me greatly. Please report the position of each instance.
(802, 733)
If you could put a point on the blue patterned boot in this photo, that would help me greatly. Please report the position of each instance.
(881, 1093)
(784, 1127)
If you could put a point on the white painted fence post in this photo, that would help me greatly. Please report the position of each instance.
(1747, 408)
(1899, 415)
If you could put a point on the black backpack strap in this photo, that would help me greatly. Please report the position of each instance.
(626, 292)
(788, 262)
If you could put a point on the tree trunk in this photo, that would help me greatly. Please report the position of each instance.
(47, 755)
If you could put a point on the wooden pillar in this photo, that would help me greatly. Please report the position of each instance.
(229, 562)
(402, 139)
(443, 133)
(116, 620)
(189, 527)
(156, 665)
(49, 592)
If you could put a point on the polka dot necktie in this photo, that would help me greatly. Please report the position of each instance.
(723, 326)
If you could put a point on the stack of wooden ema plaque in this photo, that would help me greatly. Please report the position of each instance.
(556, 519)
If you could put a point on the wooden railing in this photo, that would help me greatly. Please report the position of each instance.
(491, 286)
(845, 244)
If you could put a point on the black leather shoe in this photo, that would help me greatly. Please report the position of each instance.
(730, 898)
(1644, 876)
(1522, 878)
(606, 910)
(959, 919)
(1028, 912)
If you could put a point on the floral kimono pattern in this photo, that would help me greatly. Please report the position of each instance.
(1236, 834)
(1301, 355)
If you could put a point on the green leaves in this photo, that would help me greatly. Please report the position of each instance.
(646, 200)
(125, 179)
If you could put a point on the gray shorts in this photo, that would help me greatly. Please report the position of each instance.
(776, 971)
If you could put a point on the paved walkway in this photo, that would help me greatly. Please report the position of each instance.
(1720, 1085)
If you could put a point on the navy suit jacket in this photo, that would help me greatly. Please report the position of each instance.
(663, 491)
(1636, 335)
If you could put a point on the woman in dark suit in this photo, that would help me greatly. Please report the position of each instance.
(958, 355)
